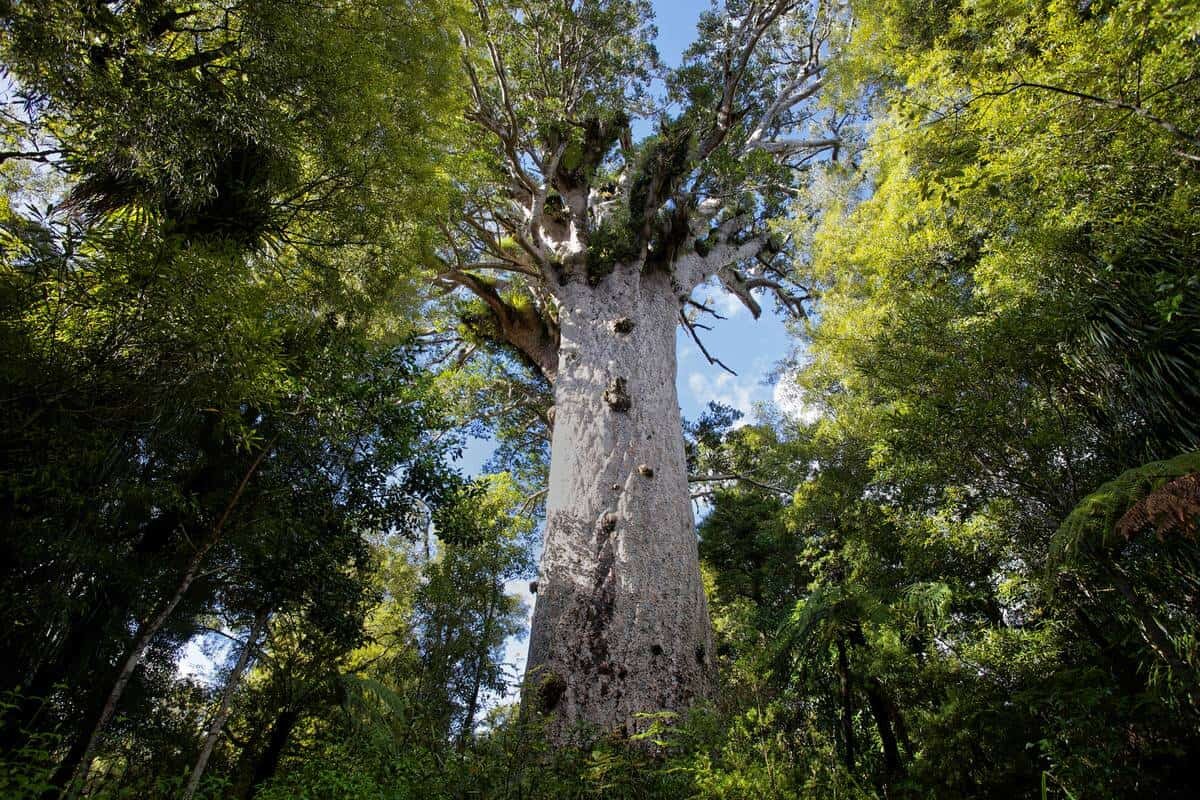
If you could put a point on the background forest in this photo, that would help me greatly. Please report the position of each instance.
(234, 394)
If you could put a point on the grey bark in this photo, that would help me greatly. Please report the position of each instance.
(621, 622)
(223, 708)
(77, 772)
(621, 625)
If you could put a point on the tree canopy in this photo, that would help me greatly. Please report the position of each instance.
(267, 267)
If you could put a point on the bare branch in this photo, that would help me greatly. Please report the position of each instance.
(736, 284)
(737, 476)
(785, 147)
(797, 91)
(705, 309)
(530, 502)
(755, 24)
(691, 326)
(790, 301)
(42, 156)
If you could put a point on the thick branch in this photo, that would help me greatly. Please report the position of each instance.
(523, 328)
(755, 24)
(204, 57)
(787, 147)
(733, 281)
(29, 155)
(795, 92)
(792, 302)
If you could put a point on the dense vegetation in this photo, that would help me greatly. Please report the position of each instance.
(972, 571)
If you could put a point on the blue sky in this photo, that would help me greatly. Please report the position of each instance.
(751, 348)
(676, 20)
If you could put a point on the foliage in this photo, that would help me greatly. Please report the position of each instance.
(1093, 525)
(209, 215)
(975, 574)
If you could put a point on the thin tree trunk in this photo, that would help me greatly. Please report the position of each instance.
(1156, 636)
(1123, 668)
(1152, 632)
(468, 726)
(223, 708)
(268, 762)
(74, 773)
(881, 710)
(844, 689)
(86, 631)
(75, 767)
(878, 704)
(901, 726)
(83, 632)
(621, 623)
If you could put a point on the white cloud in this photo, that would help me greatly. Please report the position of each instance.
(728, 390)
(720, 300)
(789, 399)
(727, 305)
(202, 657)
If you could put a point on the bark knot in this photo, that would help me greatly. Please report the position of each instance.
(617, 395)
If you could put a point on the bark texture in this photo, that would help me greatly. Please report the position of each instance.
(621, 623)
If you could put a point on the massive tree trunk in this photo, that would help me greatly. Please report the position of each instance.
(621, 623)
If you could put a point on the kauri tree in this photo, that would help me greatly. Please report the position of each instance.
(583, 248)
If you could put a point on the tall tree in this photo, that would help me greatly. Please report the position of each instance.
(583, 248)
